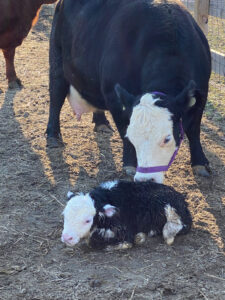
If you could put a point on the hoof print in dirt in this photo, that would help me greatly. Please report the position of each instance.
(117, 214)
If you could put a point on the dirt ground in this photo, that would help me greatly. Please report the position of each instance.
(34, 181)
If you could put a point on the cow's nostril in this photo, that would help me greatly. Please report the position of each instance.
(70, 238)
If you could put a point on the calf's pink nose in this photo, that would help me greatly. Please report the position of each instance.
(66, 237)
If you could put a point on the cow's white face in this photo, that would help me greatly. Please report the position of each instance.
(152, 124)
(151, 132)
(78, 218)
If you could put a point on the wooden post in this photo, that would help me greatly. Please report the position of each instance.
(201, 14)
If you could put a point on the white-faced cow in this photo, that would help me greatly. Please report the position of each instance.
(16, 19)
(147, 62)
(121, 213)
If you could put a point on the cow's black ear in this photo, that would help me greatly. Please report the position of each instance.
(126, 99)
(186, 98)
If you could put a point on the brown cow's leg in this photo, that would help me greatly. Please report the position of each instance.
(13, 80)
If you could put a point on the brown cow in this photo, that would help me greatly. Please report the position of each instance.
(16, 20)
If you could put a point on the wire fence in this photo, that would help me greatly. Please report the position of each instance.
(214, 28)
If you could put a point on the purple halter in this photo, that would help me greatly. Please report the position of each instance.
(162, 168)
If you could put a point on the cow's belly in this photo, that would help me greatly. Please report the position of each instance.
(78, 104)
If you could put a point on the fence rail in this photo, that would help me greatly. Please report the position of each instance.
(216, 7)
(202, 9)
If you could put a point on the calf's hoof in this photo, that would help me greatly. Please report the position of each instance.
(15, 84)
(120, 246)
(103, 128)
(140, 238)
(53, 142)
(201, 170)
(170, 241)
(129, 170)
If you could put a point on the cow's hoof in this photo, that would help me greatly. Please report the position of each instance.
(103, 128)
(129, 170)
(1, 91)
(201, 170)
(15, 84)
(140, 238)
(53, 142)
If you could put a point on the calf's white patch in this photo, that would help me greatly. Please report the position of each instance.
(109, 184)
(173, 225)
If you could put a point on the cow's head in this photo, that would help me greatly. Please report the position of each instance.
(154, 127)
(79, 215)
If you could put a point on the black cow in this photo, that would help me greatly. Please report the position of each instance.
(147, 62)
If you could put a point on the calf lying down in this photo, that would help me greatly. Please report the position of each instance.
(119, 214)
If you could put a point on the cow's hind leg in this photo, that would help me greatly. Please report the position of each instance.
(199, 162)
(101, 123)
(13, 81)
(59, 88)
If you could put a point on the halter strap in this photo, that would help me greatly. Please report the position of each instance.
(158, 93)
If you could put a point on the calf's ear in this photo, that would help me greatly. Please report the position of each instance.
(186, 98)
(109, 210)
(126, 100)
(70, 195)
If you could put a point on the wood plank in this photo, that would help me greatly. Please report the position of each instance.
(216, 7)
(201, 13)
(218, 62)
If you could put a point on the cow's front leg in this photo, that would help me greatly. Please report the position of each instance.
(13, 81)
(58, 92)
(59, 88)
(121, 120)
(101, 123)
(129, 158)
(199, 162)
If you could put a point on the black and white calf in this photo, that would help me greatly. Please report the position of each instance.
(123, 213)
(147, 62)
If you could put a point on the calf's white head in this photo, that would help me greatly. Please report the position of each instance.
(154, 128)
(79, 215)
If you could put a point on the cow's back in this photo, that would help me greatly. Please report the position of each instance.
(100, 38)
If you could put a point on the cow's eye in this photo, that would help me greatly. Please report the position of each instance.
(88, 221)
(167, 139)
